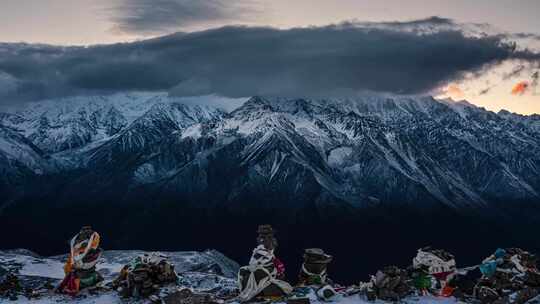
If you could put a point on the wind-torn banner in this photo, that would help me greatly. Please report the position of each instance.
(520, 88)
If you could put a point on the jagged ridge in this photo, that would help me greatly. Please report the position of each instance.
(372, 149)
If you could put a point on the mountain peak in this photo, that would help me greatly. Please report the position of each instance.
(425, 146)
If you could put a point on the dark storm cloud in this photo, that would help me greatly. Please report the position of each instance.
(161, 16)
(244, 61)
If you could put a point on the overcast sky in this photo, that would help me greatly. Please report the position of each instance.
(89, 22)
(93, 21)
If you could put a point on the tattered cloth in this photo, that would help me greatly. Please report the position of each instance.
(508, 275)
(439, 263)
(84, 252)
(80, 267)
(260, 277)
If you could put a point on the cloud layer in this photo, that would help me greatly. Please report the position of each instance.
(244, 61)
(165, 16)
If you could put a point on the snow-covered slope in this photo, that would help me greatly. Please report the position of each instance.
(27, 263)
(16, 150)
(385, 148)
(63, 124)
(202, 271)
(458, 154)
(363, 151)
(73, 122)
(532, 121)
(156, 125)
(20, 161)
(207, 271)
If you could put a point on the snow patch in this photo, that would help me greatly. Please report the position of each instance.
(338, 155)
(193, 131)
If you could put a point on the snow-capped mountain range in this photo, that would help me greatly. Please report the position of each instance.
(363, 151)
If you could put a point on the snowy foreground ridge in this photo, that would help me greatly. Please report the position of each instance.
(208, 271)
(201, 271)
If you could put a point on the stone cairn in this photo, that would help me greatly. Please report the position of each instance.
(10, 287)
(266, 237)
(314, 268)
(509, 276)
(144, 276)
(264, 275)
(389, 284)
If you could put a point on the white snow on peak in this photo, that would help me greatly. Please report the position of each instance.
(338, 155)
(193, 131)
(410, 135)
(68, 123)
(214, 101)
(460, 107)
(17, 148)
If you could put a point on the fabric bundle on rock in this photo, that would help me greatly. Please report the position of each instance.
(314, 268)
(263, 277)
(437, 264)
(80, 267)
(464, 281)
(422, 280)
(509, 276)
(260, 277)
(144, 275)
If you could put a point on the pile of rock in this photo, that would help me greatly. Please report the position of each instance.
(266, 237)
(429, 274)
(10, 287)
(464, 282)
(508, 276)
(144, 276)
(314, 269)
(264, 275)
(187, 296)
(13, 286)
(432, 269)
(389, 284)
